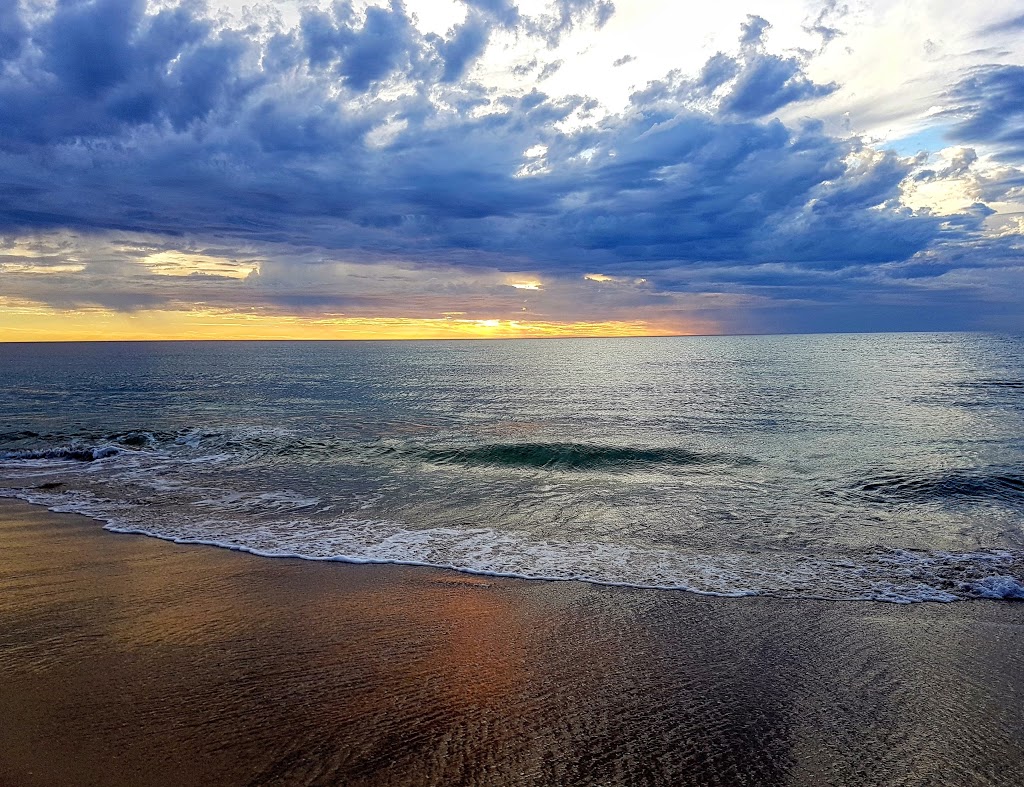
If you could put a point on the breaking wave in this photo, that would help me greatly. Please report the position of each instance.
(72, 453)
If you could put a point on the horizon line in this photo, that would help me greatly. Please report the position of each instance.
(500, 338)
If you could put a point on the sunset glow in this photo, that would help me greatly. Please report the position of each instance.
(27, 323)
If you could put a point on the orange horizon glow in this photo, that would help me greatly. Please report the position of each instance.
(31, 323)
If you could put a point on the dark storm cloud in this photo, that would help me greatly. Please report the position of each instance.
(357, 136)
(178, 129)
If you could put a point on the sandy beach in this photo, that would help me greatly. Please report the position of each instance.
(130, 660)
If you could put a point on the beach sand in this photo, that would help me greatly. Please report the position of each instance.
(129, 660)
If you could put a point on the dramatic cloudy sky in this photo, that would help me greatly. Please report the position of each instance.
(481, 167)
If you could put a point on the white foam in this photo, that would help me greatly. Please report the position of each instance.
(998, 587)
(271, 501)
(897, 576)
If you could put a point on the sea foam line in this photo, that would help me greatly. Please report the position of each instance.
(895, 577)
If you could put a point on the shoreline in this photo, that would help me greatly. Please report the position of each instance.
(992, 587)
(135, 660)
(110, 527)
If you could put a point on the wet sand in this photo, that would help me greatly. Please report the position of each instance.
(128, 660)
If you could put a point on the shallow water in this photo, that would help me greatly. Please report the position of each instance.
(886, 467)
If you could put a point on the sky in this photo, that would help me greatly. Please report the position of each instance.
(481, 168)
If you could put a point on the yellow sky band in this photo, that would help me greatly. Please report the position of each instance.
(31, 323)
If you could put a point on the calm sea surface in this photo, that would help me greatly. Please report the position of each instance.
(885, 467)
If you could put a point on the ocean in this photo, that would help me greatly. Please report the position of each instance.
(882, 467)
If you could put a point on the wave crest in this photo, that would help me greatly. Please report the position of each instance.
(574, 456)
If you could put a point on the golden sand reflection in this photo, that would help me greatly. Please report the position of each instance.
(452, 641)
(486, 649)
(448, 645)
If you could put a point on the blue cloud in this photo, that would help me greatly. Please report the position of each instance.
(503, 12)
(764, 82)
(752, 85)
(363, 50)
(109, 67)
(768, 82)
(1006, 26)
(88, 46)
(754, 31)
(825, 23)
(718, 70)
(13, 32)
(464, 47)
(569, 15)
(989, 103)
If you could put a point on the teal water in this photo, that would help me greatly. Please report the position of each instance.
(885, 467)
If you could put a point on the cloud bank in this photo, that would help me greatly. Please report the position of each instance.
(355, 164)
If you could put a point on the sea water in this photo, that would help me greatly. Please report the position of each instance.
(852, 467)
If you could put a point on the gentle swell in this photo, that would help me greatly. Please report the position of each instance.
(992, 484)
(574, 456)
(1017, 385)
(546, 456)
